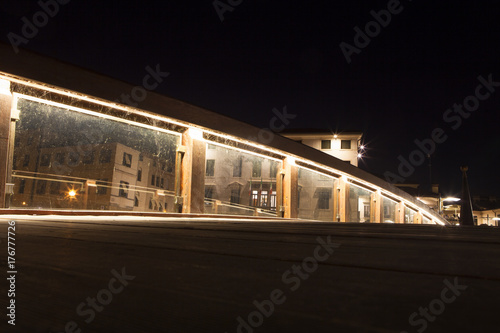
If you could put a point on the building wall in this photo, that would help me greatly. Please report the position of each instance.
(315, 141)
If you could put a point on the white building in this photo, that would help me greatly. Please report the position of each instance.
(345, 145)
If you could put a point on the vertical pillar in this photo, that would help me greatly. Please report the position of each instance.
(336, 194)
(192, 176)
(342, 213)
(417, 218)
(400, 212)
(290, 189)
(5, 150)
(376, 207)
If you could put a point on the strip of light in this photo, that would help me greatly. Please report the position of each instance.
(242, 150)
(92, 100)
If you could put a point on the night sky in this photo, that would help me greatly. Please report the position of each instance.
(269, 54)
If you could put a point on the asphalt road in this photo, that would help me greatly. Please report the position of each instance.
(112, 274)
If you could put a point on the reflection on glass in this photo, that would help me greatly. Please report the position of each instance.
(74, 160)
(409, 215)
(426, 220)
(389, 210)
(359, 204)
(316, 195)
(239, 183)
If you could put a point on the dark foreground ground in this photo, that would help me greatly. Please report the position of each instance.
(190, 275)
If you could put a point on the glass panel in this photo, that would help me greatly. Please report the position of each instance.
(359, 204)
(239, 183)
(409, 215)
(389, 210)
(426, 220)
(75, 160)
(316, 195)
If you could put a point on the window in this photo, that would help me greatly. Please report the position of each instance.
(257, 168)
(26, 161)
(255, 198)
(127, 160)
(326, 144)
(45, 160)
(101, 188)
(237, 167)
(272, 199)
(105, 155)
(136, 201)
(235, 195)
(141, 157)
(209, 192)
(55, 187)
(210, 171)
(88, 157)
(153, 180)
(273, 170)
(162, 182)
(60, 158)
(345, 144)
(139, 175)
(73, 158)
(41, 186)
(123, 189)
(157, 181)
(22, 184)
(263, 198)
(324, 199)
(366, 211)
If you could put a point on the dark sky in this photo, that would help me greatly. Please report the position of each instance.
(268, 54)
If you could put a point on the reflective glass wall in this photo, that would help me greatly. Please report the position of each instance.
(316, 195)
(237, 182)
(359, 204)
(389, 208)
(66, 158)
(409, 215)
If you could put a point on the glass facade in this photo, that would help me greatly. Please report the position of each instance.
(239, 183)
(409, 215)
(359, 204)
(389, 208)
(70, 159)
(67, 151)
(315, 195)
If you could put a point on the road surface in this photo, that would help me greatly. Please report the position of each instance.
(131, 274)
